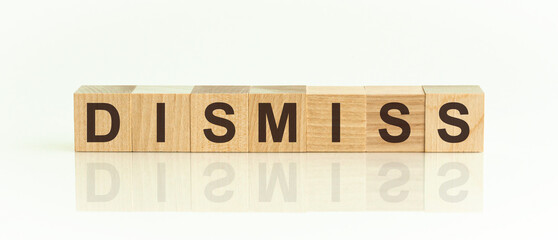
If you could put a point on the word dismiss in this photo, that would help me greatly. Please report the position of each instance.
(279, 118)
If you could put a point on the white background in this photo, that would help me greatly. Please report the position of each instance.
(49, 48)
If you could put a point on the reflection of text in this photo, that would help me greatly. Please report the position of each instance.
(278, 182)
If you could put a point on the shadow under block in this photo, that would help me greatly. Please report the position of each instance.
(109, 118)
(454, 119)
(277, 119)
(394, 103)
(219, 119)
(336, 119)
(161, 118)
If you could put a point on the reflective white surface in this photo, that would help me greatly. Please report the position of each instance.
(279, 182)
(49, 48)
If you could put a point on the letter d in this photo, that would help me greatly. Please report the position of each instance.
(114, 127)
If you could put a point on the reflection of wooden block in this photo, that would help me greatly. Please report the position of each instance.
(276, 182)
(277, 119)
(335, 181)
(394, 119)
(395, 181)
(102, 118)
(453, 182)
(219, 119)
(336, 119)
(220, 182)
(133, 181)
(161, 118)
(454, 119)
(103, 181)
(161, 182)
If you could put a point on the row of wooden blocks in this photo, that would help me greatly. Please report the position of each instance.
(279, 118)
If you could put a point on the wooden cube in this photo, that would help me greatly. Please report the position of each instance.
(336, 119)
(454, 119)
(277, 119)
(394, 119)
(161, 118)
(219, 119)
(102, 118)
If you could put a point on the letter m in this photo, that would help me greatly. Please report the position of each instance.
(277, 130)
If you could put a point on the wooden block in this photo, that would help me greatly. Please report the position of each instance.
(395, 181)
(394, 119)
(219, 119)
(277, 119)
(454, 119)
(336, 119)
(161, 118)
(453, 182)
(102, 118)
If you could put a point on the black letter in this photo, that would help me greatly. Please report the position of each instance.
(160, 122)
(454, 122)
(405, 128)
(219, 121)
(114, 127)
(289, 111)
(336, 122)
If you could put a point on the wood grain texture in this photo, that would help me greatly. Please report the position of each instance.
(105, 89)
(207, 89)
(117, 96)
(352, 128)
(413, 98)
(176, 101)
(201, 98)
(277, 96)
(472, 97)
(360, 122)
